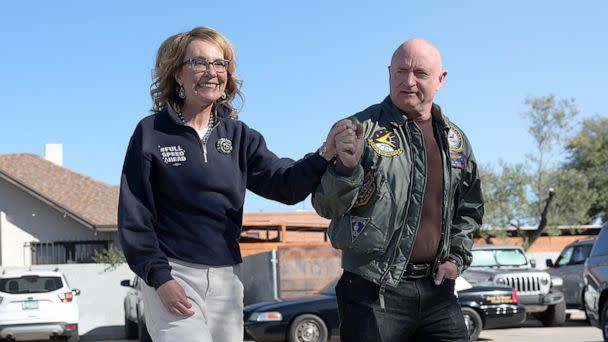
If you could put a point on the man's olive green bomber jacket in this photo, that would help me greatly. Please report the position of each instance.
(375, 208)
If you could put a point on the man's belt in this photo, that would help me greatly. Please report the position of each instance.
(417, 271)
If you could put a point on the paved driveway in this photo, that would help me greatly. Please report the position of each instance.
(575, 330)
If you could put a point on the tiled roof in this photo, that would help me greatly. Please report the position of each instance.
(80, 196)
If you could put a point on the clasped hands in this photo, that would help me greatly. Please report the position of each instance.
(345, 142)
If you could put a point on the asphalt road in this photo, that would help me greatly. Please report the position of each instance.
(575, 330)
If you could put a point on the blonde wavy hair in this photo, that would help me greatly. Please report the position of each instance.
(170, 56)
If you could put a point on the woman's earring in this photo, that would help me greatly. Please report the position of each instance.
(182, 92)
(224, 96)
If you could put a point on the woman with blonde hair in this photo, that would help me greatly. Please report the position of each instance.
(183, 186)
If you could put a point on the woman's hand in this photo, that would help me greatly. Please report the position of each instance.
(173, 297)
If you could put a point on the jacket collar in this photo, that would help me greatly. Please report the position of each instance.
(221, 110)
(397, 118)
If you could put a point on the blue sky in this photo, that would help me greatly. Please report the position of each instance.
(79, 72)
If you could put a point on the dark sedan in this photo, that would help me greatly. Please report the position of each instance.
(315, 318)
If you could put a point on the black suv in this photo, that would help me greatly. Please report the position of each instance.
(596, 283)
(569, 266)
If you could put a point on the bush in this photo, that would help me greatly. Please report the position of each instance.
(111, 256)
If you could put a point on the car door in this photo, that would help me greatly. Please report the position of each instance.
(563, 268)
(569, 266)
(573, 274)
(132, 299)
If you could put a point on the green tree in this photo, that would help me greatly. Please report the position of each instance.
(573, 198)
(550, 122)
(588, 154)
(537, 192)
(505, 193)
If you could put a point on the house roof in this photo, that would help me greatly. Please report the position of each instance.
(91, 202)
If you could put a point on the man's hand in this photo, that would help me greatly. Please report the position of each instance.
(447, 270)
(173, 297)
(330, 142)
(349, 145)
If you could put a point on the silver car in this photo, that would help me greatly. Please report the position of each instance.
(569, 266)
(135, 322)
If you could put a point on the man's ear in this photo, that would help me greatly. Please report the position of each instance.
(442, 77)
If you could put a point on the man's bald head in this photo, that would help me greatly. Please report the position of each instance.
(419, 47)
(415, 76)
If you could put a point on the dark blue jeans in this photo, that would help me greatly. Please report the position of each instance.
(417, 310)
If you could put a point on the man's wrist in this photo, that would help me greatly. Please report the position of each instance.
(323, 152)
(459, 266)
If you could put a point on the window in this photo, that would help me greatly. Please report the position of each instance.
(498, 257)
(66, 252)
(564, 258)
(30, 284)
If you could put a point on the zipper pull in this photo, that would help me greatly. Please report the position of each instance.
(205, 152)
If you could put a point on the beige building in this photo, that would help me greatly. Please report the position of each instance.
(51, 215)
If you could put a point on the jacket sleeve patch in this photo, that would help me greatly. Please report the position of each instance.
(357, 225)
(366, 191)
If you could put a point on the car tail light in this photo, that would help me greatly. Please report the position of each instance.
(70, 327)
(514, 296)
(66, 297)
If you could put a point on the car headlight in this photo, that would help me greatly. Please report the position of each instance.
(544, 281)
(557, 281)
(266, 316)
(501, 281)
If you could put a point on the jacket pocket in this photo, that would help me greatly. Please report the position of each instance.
(368, 226)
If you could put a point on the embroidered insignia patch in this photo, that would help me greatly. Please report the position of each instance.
(224, 146)
(366, 190)
(455, 139)
(174, 155)
(357, 225)
(385, 143)
(456, 146)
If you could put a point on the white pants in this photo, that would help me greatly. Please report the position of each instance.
(216, 295)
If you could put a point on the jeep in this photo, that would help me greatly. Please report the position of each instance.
(508, 265)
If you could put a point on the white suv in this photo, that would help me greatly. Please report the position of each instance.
(37, 305)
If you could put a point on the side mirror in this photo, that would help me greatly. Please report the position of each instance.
(126, 283)
(549, 263)
(533, 263)
(76, 292)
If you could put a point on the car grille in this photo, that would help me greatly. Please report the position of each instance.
(525, 283)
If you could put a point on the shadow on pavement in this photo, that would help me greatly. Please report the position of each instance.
(104, 333)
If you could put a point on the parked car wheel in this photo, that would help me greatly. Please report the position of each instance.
(473, 322)
(604, 322)
(308, 328)
(130, 329)
(142, 332)
(554, 316)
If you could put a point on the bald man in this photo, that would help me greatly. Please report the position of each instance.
(404, 199)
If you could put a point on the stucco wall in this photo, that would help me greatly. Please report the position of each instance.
(27, 219)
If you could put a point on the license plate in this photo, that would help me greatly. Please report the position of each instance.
(29, 305)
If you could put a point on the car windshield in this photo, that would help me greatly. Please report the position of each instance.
(498, 257)
(30, 284)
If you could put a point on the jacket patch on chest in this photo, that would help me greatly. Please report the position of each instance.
(357, 225)
(385, 143)
(456, 142)
(224, 146)
(173, 155)
(366, 191)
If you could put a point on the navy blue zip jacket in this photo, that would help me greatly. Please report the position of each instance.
(182, 197)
